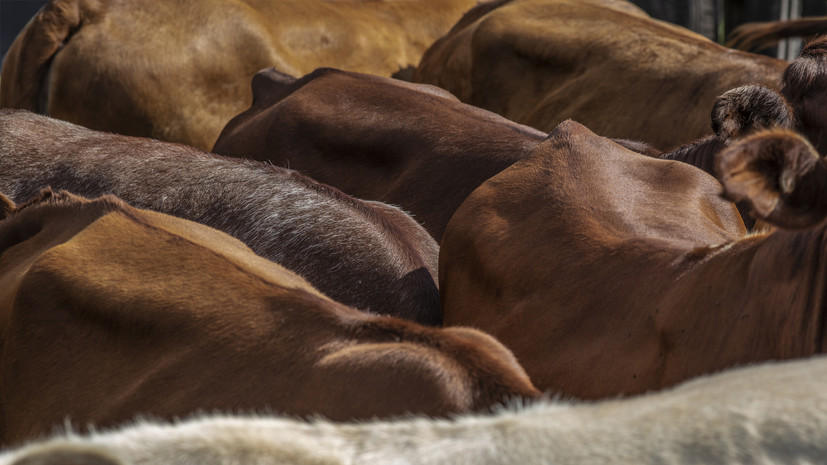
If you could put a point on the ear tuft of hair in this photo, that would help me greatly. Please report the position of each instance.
(780, 175)
(746, 109)
(270, 85)
(6, 206)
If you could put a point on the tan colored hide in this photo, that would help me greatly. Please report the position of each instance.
(603, 63)
(108, 312)
(178, 70)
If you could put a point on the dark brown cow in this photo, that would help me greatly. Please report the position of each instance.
(364, 254)
(417, 147)
(736, 113)
(611, 273)
(376, 138)
(178, 70)
(805, 87)
(109, 312)
(603, 63)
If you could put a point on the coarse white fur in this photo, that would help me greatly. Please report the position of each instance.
(770, 413)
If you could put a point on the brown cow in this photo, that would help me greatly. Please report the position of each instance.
(611, 273)
(178, 70)
(377, 138)
(416, 146)
(781, 176)
(109, 312)
(805, 87)
(603, 63)
(736, 113)
(367, 255)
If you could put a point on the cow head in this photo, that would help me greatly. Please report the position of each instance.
(780, 174)
(805, 87)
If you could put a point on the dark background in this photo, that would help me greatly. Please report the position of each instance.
(14, 14)
(715, 18)
(712, 18)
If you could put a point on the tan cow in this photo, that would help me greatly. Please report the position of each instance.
(178, 70)
(610, 273)
(108, 312)
(603, 63)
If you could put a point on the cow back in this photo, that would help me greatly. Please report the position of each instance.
(376, 138)
(610, 273)
(178, 70)
(111, 312)
(370, 256)
(604, 64)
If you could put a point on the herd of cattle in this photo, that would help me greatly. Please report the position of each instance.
(550, 202)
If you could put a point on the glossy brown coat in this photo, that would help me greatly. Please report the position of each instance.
(377, 138)
(610, 273)
(108, 312)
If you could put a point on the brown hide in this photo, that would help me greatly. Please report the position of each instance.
(178, 70)
(376, 138)
(609, 273)
(364, 254)
(605, 64)
(108, 312)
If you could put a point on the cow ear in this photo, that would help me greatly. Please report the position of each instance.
(6, 206)
(270, 85)
(779, 174)
(746, 109)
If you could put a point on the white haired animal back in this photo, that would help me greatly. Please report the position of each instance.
(770, 413)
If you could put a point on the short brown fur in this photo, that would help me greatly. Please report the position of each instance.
(609, 273)
(605, 64)
(108, 312)
(376, 138)
(178, 70)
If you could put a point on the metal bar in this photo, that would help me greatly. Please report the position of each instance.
(794, 45)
